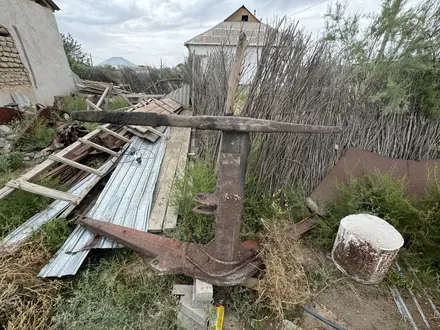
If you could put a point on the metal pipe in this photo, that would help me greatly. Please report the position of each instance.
(422, 314)
(322, 319)
(414, 298)
(405, 308)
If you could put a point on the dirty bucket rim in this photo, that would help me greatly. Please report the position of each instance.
(390, 229)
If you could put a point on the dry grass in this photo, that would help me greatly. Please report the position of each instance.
(285, 284)
(26, 302)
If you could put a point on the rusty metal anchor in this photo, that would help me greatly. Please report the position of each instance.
(226, 260)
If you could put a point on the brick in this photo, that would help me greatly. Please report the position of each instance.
(3, 59)
(4, 65)
(17, 60)
(7, 49)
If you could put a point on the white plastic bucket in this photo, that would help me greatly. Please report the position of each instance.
(365, 247)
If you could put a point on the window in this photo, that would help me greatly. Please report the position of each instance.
(244, 18)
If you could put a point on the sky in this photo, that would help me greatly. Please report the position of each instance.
(148, 32)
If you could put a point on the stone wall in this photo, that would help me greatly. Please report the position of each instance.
(12, 71)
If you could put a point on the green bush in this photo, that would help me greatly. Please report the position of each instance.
(380, 194)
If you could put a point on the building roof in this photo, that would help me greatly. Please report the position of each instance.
(118, 62)
(48, 4)
(227, 33)
(237, 15)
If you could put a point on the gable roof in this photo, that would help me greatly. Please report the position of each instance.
(244, 10)
(228, 31)
(48, 4)
(118, 62)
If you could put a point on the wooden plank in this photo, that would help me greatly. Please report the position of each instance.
(170, 219)
(172, 167)
(79, 166)
(165, 181)
(97, 146)
(90, 103)
(148, 135)
(219, 123)
(102, 98)
(235, 76)
(119, 136)
(43, 191)
(105, 169)
(37, 170)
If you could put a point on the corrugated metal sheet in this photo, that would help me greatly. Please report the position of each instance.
(126, 200)
(227, 33)
(54, 209)
(180, 95)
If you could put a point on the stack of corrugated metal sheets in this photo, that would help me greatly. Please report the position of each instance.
(126, 200)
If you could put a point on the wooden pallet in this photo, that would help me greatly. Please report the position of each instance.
(23, 181)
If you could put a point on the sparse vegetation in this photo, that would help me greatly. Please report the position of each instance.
(70, 103)
(52, 234)
(115, 104)
(21, 205)
(120, 293)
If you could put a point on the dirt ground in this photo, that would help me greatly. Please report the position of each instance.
(356, 307)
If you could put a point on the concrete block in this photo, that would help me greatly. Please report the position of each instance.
(181, 289)
(199, 315)
(189, 324)
(202, 291)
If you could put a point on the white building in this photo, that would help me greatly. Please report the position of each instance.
(224, 36)
(32, 57)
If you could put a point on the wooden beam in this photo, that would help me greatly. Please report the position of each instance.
(79, 166)
(90, 103)
(225, 123)
(37, 170)
(97, 146)
(119, 136)
(98, 105)
(43, 191)
(235, 76)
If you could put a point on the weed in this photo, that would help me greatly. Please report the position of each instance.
(199, 177)
(120, 293)
(38, 137)
(116, 103)
(21, 205)
(71, 103)
(10, 162)
(52, 234)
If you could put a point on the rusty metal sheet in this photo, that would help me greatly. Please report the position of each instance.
(357, 162)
